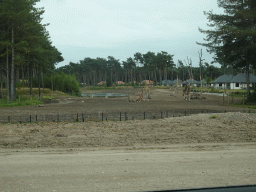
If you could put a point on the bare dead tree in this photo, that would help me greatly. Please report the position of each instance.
(200, 65)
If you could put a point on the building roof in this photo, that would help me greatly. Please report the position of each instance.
(189, 81)
(224, 79)
(241, 78)
(169, 82)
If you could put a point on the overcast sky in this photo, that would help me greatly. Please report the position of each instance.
(120, 28)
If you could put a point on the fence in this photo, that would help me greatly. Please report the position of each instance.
(107, 116)
(234, 99)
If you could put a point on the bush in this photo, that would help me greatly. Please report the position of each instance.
(61, 82)
(252, 96)
(108, 82)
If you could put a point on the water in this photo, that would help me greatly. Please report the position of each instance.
(103, 95)
(218, 94)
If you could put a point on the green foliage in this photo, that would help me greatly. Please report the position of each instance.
(24, 101)
(252, 97)
(208, 79)
(49, 97)
(238, 93)
(213, 117)
(108, 82)
(30, 40)
(233, 36)
(161, 87)
(61, 82)
(18, 85)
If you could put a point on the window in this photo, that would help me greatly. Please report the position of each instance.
(220, 85)
(237, 84)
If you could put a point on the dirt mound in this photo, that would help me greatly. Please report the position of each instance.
(203, 128)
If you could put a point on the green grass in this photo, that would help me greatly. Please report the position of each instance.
(49, 97)
(161, 87)
(44, 92)
(25, 98)
(24, 101)
(213, 117)
(207, 90)
(250, 106)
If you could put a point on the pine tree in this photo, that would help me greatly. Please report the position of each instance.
(26, 38)
(233, 37)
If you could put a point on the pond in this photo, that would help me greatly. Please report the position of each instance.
(218, 94)
(103, 95)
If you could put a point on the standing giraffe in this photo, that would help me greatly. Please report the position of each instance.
(186, 92)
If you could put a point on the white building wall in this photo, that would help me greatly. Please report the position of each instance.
(241, 86)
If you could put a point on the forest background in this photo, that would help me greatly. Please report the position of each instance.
(27, 54)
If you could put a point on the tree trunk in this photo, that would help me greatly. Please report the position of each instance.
(51, 82)
(13, 96)
(39, 81)
(160, 76)
(42, 75)
(22, 80)
(165, 73)
(31, 79)
(183, 75)
(1, 91)
(7, 76)
(155, 78)
(247, 78)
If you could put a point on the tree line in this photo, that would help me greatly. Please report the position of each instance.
(26, 50)
(149, 66)
(231, 38)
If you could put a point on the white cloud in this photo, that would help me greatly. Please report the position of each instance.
(116, 23)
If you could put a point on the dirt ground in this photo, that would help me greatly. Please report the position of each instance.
(199, 150)
(160, 101)
(163, 168)
(230, 127)
(202, 128)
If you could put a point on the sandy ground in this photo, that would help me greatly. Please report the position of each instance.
(155, 168)
(183, 152)
(202, 128)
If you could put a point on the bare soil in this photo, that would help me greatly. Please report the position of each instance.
(199, 150)
(161, 100)
(203, 128)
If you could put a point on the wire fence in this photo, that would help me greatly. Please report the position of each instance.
(108, 116)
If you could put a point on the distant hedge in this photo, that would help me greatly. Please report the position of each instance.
(61, 82)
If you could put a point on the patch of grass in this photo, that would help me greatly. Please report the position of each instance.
(213, 117)
(25, 98)
(44, 92)
(23, 101)
(252, 106)
(161, 87)
(49, 97)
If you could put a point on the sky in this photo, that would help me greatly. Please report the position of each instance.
(120, 28)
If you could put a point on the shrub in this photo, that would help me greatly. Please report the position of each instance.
(108, 82)
(252, 96)
(61, 82)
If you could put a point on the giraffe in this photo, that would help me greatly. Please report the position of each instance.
(186, 92)
(147, 91)
(140, 97)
